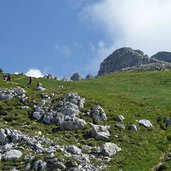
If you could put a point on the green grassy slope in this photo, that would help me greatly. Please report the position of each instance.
(145, 95)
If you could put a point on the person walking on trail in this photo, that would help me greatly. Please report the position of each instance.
(30, 81)
(8, 78)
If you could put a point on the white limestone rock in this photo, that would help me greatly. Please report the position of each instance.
(98, 114)
(109, 149)
(100, 132)
(145, 123)
(12, 155)
(73, 149)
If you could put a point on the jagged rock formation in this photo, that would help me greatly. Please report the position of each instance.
(76, 77)
(163, 56)
(126, 58)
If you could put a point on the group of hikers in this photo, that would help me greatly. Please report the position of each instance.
(7, 77)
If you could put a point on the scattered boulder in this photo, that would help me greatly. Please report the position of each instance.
(89, 76)
(72, 123)
(73, 149)
(40, 88)
(98, 114)
(119, 118)
(133, 127)
(109, 149)
(120, 126)
(39, 165)
(9, 94)
(12, 155)
(76, 77)
(145, 123)
(100, 132)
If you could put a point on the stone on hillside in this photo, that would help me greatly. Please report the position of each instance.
(75, 99)
(72, 123)
(2, 136)
(120, 126)
(73, 149)
(76, 77)
(12, 155)
(39, 165)
(89, 76)
(69, 109)
(47, 119)
(100, 132)
(58, 118)
(40, 88)
(133, 127)
(37, 115)
(145, 123)
(109, 149)
(14, 169)
(98, 114)
(119, 118)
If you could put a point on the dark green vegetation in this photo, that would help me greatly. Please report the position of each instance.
(145, 95)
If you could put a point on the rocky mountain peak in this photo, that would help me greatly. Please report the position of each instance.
(123, 58)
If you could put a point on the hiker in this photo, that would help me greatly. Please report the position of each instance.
(30, 81)
(8, 78)
(4, 77)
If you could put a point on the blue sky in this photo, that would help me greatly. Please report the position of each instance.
(66, 36)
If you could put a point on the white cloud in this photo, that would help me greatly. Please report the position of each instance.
(140, 24)
(34, 73)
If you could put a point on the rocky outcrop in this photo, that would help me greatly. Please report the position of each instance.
(100, 132)
(109, 149)
(76, 77)
(9, 94)
(129, 59)
(98, 114)
(162, 56)
(123, 58)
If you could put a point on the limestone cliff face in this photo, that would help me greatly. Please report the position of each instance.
(123, 58)
(163, 56)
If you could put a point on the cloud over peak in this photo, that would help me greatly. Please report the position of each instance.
(34, 73)
(140, 24)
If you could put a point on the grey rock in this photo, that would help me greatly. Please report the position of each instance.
(98, 114)
(76, 77)
(100, 132)
(73, 149)
(37, 115)
(40, 88)
(120, 126)
(47, 119)
(89, 76)
(2, 136)
(119, 118)
(162, 56)
(12, 155)
(28, 167)
(14, 169)
(72, 124)
(145, 123)
(109, 149)
(133, 127)
(39, 165)
(123, 58)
